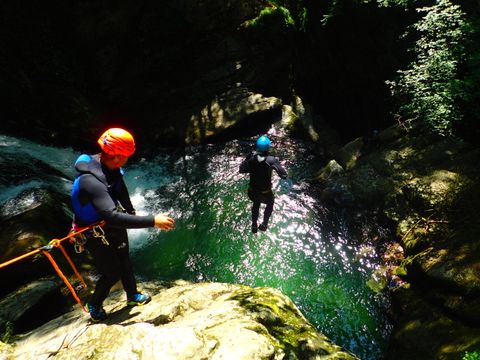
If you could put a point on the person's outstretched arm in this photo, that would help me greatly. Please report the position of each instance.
(103, 203)
(161, 221)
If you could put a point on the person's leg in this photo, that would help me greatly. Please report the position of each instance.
(255, 213)
(108, 266)
(127, 275)
(128, 280)
(254, 197)
(269, 201)
(126, 268)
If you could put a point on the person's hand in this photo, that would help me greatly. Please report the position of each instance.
(164, 222)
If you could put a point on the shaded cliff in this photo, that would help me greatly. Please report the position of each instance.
(70, 70)
(173, 71)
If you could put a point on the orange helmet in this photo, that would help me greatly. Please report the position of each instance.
(116, 141)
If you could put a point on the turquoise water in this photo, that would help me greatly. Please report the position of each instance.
(308, 251)
(320, 257)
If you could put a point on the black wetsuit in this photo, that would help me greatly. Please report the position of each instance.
(260, 167)
(97, 195)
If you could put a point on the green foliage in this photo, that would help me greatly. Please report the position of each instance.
(390, 3)
(475, 355)
(337, 7)
(431, 89)
(6, 333)
(299, 9)
(271, 12)
(297, 12)
(471, 82)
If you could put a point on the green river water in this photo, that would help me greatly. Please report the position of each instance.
(320, 257)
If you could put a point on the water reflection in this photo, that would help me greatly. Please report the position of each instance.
(307, 252)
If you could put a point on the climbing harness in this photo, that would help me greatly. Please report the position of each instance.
(57, 243)
(79, 239)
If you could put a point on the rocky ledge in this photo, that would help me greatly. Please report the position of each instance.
(183, 321)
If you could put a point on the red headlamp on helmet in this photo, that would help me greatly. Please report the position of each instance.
(116, 141)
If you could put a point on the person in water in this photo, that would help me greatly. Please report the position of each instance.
(99, 194)
(259, 166)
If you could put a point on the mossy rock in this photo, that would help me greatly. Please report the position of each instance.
(299, 339)
(186, 321)
(6, 351)
(368, 187)
(424, 331)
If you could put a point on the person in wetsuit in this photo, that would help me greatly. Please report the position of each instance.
(259, 165)
(99, 194)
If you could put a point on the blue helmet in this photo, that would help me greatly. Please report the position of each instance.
(263, 144)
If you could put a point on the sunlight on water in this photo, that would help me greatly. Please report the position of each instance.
(306, 252)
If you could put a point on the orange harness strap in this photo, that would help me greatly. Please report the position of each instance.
(57, 243)
(64, 278)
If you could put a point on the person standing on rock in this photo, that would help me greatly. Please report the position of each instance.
(260, 165)
(99, 194)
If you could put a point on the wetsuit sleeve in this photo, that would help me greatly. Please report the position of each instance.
(104, 204)
(275, 164)
(245, 165)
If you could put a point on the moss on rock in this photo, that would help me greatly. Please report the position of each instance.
(186, 321)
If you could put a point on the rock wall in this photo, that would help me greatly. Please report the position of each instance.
(427, 187)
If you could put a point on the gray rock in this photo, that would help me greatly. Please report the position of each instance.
(14, 305)
(28, 222)
(226, 110)
(185, 321)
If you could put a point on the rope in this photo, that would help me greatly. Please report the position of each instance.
(57, 243)
(48, 247)
(81, 230)
(6, 263)
(72, 265)
(64, 278)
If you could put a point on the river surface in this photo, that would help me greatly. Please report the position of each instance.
(321, 257)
